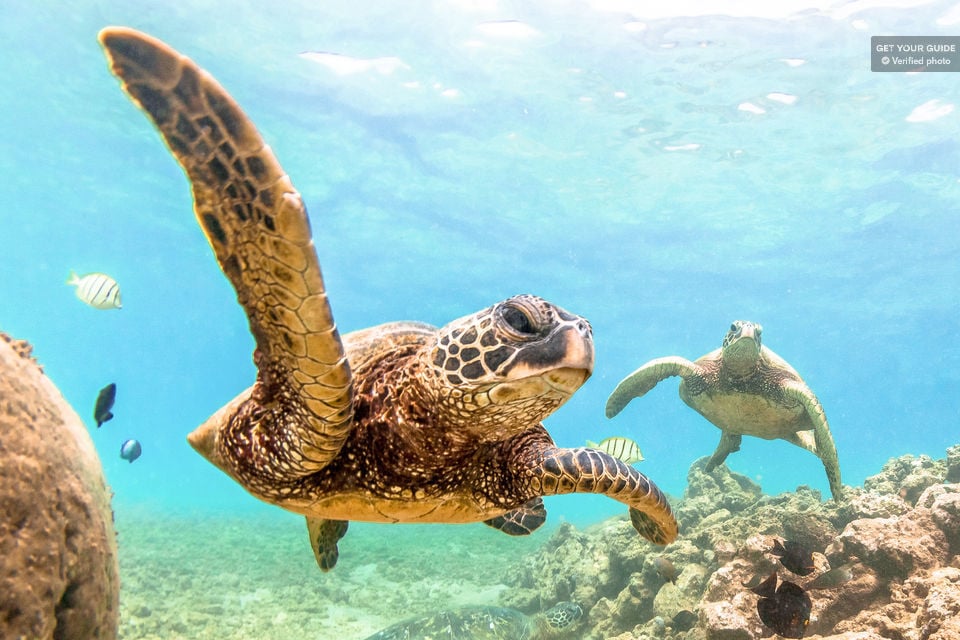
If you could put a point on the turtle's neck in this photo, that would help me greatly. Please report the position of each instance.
(741, 359)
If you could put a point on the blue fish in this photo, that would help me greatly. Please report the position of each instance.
(130, 450)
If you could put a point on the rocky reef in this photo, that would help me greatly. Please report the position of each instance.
(58, 550)
(898, 535)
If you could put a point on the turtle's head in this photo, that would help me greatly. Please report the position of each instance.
(501, 370)
(741, 347)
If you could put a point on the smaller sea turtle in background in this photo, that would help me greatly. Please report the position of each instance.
(743, 388)
(487, 623)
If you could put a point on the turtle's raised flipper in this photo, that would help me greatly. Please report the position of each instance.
(324, 535)
(522, 521)
(729, 442)
(257, 225)
(646, 378)
(826, 450)
(591, 471)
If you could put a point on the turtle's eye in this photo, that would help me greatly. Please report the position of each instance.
(759, 329)
(734, 327)
(518, 320)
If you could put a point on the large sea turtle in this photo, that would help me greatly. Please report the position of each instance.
(401, 422)
(743, 388)
(487, 623)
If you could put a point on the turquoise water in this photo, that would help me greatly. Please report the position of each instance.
(660, 175)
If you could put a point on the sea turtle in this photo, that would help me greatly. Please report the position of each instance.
(743, 388)
(487, 623)
(401, 422)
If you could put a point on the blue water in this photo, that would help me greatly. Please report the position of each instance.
(615, 163)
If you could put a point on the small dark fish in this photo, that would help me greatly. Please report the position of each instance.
(832, 579)
(101, 410)
(130, 450)
(665, 569)
(684, 620)
(794, 556)
(785, 609)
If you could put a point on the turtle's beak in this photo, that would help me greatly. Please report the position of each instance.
(569, 347)
(580, 353)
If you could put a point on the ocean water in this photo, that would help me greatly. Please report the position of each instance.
(661, 172)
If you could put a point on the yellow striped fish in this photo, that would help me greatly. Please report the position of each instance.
(98, 290)
(619, 447)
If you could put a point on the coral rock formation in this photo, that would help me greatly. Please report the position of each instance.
(899, 535)
(58, 551)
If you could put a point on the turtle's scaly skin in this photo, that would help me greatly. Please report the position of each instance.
(743, 388)
(486, 623)
(397, 423)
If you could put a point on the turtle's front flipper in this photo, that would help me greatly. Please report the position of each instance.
(324, 535)
(826, 450)
(729, 442)
(591, 471)
(522, 521)
(646, 378)
(257, 225)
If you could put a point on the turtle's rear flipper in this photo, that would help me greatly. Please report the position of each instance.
(324, 535)
(729, 442)
(522, 521)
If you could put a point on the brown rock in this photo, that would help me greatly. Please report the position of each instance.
(943, 501)
(866, 504)
(834, 605)
(850, 635)
(728, 611)
(900, 540)
(727, 620)
(940, 613)
(58, 553)
(893, 547)
(953, 463)
(907, 476)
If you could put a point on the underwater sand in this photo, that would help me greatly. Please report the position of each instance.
(202, 577)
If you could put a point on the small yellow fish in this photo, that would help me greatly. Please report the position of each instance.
(619, 447)
(98, 290)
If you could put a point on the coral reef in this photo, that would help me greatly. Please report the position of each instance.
(58, 551)
(899, 535)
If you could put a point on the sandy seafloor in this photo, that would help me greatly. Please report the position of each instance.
(229, 577)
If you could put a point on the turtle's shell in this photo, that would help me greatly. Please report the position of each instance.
(751, 403)
(464, 623)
